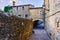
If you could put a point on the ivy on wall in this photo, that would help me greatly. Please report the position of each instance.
(7, 8)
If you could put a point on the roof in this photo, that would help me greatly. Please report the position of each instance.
(23, 5)
(36, 8)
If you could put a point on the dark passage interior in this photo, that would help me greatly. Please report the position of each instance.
(35, 23)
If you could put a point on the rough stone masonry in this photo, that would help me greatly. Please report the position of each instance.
(14, 28)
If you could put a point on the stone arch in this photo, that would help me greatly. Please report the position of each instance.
(35, 23)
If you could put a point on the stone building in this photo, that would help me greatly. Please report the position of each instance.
(28, 11)
(53, 19)
(36, 13)
(21, 10)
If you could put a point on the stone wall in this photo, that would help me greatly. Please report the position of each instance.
(14, 28)
(53, 21)
(21, 10)
(36, 13)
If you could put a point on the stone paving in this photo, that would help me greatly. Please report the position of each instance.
(39, 35)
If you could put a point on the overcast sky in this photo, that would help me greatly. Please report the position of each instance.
(37, 3)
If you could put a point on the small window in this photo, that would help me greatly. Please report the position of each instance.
(58, 24)
(26, 15)
(23, 7)
(19, 15)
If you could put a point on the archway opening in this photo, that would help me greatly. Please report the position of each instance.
(35, 23)
(38, 24)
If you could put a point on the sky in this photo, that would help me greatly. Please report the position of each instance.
(37, 3)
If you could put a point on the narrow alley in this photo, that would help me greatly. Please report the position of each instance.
(39, 35)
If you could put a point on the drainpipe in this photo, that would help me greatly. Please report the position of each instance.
(44, 14)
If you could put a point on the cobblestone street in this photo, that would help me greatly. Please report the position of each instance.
(39, 35)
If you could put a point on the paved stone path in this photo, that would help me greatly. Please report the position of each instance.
(39, 35)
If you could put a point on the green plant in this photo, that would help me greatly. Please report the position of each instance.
(7, 8)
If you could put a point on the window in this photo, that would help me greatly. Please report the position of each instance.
(23, 7)
(58, 24)
(26, 15)
(19, 15)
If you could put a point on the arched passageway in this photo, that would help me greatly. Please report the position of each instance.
(38, 24)
(35, 23)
